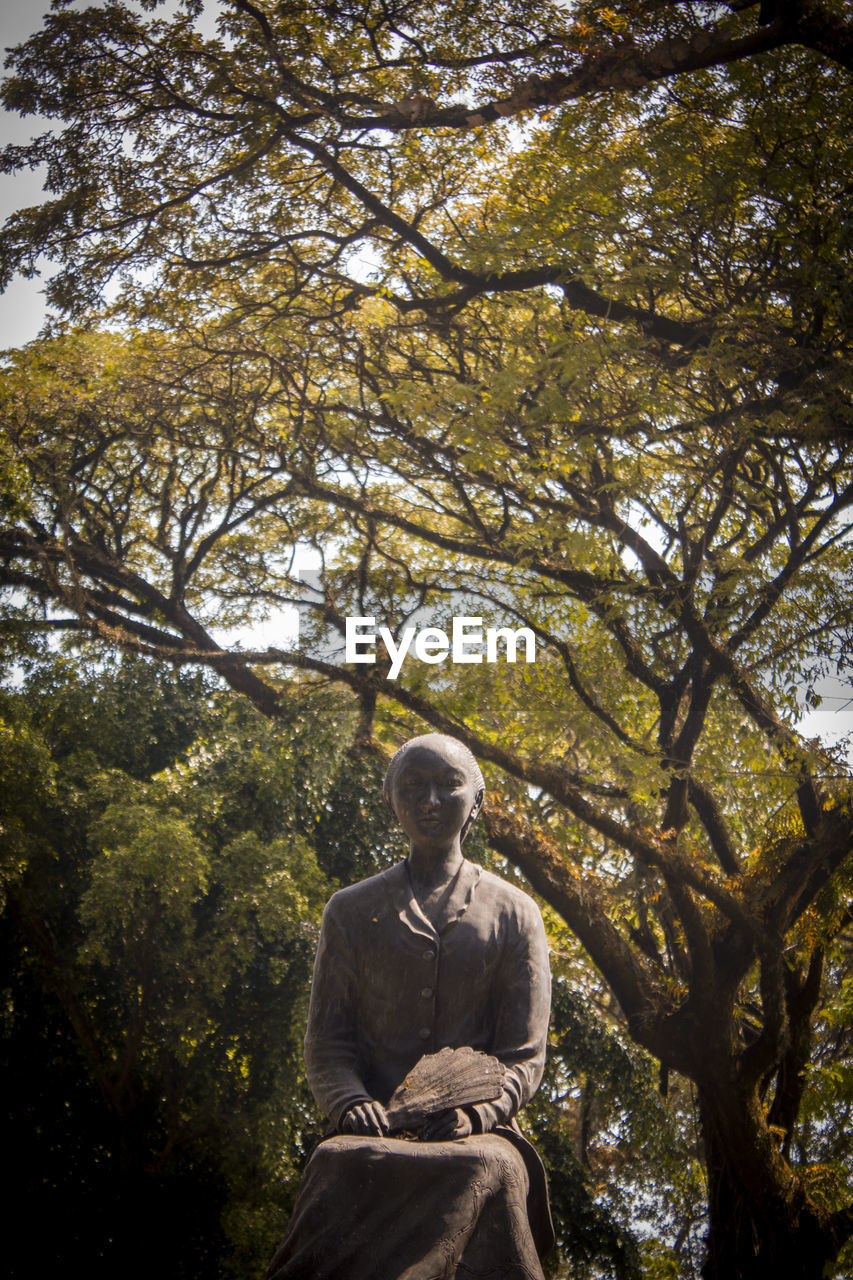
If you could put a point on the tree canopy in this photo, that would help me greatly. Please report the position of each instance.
(541, 316)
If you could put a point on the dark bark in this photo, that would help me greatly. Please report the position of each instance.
(761, 1224)
(802, 992)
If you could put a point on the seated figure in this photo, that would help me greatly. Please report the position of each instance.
(434, 953)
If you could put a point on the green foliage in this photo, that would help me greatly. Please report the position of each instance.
(165, 921)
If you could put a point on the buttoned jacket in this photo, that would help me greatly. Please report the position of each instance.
(389, 986)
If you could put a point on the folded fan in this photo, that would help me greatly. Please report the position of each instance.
(438, 1081)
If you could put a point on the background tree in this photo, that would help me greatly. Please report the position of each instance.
(542, 318)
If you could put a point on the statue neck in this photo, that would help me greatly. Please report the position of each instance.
(431, 873)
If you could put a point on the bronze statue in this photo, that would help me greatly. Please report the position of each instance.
(435, 953)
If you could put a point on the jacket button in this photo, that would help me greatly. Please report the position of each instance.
(429, 955)
(426, 992)
(425, 1033)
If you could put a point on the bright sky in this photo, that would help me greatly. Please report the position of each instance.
(21, 306)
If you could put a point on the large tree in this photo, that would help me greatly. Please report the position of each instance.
(538, 315)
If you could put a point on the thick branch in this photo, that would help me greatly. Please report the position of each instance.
(765, 1052)
(548, 871)
(713, 820)
(808, 867)
(801, 994)
(620, 67)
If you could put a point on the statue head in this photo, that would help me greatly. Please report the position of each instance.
(436, 750)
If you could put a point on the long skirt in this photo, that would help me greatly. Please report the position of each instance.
(390, 1209)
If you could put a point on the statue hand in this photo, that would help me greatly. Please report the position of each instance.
(367, 1118)
(447, 1124)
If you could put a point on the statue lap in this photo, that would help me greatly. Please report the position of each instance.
(392, 1209)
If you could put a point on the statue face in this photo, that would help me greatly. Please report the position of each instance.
(433, 794)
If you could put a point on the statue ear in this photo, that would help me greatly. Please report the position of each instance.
(475, 809)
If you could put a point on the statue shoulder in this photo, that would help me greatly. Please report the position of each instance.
(509, 899)
(364, 894)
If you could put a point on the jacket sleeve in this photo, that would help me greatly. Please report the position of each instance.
(523, 994)
(331, 1040)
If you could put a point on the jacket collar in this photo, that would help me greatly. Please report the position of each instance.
(399, 888)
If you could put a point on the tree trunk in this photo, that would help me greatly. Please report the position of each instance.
(761, 1223)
